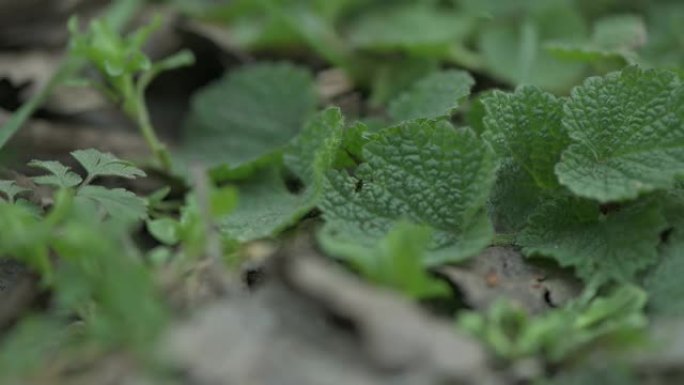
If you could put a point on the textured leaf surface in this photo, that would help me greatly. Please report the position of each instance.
(425, 172)
(265, 205)
(248, 114)
(116, 203)
(434, 96)
(628, 133)
(98, 163)
(600, 247)
(526, 125)
(62, 176)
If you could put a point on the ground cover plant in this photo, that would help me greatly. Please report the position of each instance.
(342, 192)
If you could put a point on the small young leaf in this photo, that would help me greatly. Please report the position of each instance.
(165, 230)
(116, 203)
(434, 96)
(397, 262)
(601, 247)
(98, 163)
(425, 171)
(628, 134)
(62, 176)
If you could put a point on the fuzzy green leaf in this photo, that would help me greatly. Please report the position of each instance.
(628, 133)
(265, 205)
(62, 176)
(98, 163)
(526, 125)
(424, 171)
(249, 114)
(116, 203)
(434, 96)
(601, 247)
(397, 262)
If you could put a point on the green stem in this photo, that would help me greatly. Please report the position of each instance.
(142, 117)
(117, 15)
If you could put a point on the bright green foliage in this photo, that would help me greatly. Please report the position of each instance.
(615, 36)
(115, 203)
(61, 175)
(600, 247)
(9, 189)
(126, 71)
(424, 171)
(397, 262)
(251, 113)
(664, 282)
(526, 126)
(433, 31)
(628, 134)
(559, 333)
(98, 163)
(266, 206)
(435, 96)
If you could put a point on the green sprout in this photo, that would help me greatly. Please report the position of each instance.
(126, 71)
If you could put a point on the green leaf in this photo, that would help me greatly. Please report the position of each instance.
(526, 125)
(664, 282)
(435, 96)
(116, 203)
(250, 113)
(265, 205)
(614, 36)
(397, 262)
(10, 190)
(433, 31)
(512, 48)
(165, 230)
(62, 176)
(424, 171)
(601, 247)
(514, 197)
(314, 150)
(98, 163)
(628, 134)
(393, 77)
(350, 153)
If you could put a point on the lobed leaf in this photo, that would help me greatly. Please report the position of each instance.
(628, 135)
(98, 163)
(423, 171)
(62, 176)
(434, 96)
